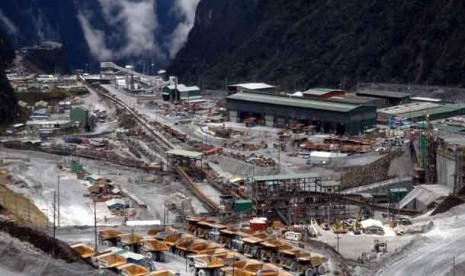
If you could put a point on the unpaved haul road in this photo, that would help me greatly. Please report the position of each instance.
(434, 255)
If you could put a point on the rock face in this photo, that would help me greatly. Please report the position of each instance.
(8, 101)
(303, 43)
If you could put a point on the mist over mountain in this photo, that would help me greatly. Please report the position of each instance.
(125, 31)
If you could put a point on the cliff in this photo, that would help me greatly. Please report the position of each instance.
(8, 101)
(303, 43)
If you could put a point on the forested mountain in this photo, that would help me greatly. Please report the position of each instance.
(304, 43)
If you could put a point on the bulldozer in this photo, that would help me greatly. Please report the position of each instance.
(130, 242)
(132, 270)
(109, 237)
(204, 265)
(154, 250)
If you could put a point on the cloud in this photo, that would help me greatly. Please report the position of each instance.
(10, 26)
(95, 39)
(131, 27)
(186, 11)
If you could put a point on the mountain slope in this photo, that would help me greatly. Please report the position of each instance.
(302, 43)
(8, 101)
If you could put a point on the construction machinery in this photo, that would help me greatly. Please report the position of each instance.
(132, 270)
(231, 238)
(154, 250)
(379, 246)
(109, 260)
(228, 257)
(205, 265)
(109, 237)
(340, 227)
(83, 250)
(252, 268)
(130, 242)
(302, 263)
(252, 245)
(270, 249)
(188, 246)
(170, 237)
(161, 272)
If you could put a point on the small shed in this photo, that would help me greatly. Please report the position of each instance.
(372, 226)
(397, 194)
(93, 178)
(116, 204)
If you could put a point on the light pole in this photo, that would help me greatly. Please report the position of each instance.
(95, 227)
(58, 200)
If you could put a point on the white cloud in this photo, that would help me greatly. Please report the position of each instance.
(186, 11)
(136, 21)
(95, 39)
(10, 26)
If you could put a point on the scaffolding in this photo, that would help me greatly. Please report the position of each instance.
(296, 198)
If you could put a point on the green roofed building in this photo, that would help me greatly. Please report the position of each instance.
(281, 110)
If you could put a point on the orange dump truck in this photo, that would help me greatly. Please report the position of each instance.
(132, 270)
(109, 260)
(83, 250)
(253, 268)
(205, 265)
(270, 250)
(109, 237)
(188, 246)
(161, 272)
(154, 250)
(130, 242)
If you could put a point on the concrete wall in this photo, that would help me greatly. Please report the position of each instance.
(446, 170)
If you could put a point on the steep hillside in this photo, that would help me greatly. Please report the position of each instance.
(8, 101)
(302, 43)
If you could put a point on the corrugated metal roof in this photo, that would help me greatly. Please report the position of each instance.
(253, 85)
(320, 91)
(383, 93)
(426, 194)
(285, 176)
(433, 111)
(294, 102)
(185, 153)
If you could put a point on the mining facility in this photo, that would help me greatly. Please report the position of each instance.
(165, 177)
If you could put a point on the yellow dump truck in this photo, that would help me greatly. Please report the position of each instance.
(269, 250)
(83, 250)
(231, 238)
(193, 246)
(181, 245)
(253, 268)
(204, 265)
(161, 272)
(109, 260)
(130, 242)
(228, 257)
(109, 237)
(297, 261)
(154, 250)
(132, 270)
(251, 246)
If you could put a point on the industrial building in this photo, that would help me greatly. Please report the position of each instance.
(390, 98)
(281, 110)
(419, 111)
(181, 92)
(82, 116)
(257, 87)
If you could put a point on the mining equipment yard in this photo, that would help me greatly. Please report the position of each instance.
(160, 184)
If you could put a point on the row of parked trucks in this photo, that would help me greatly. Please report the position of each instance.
(211, 249)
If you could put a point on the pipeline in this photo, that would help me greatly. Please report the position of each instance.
(196, 190)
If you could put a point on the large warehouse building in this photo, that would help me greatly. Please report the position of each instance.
(278, 111)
